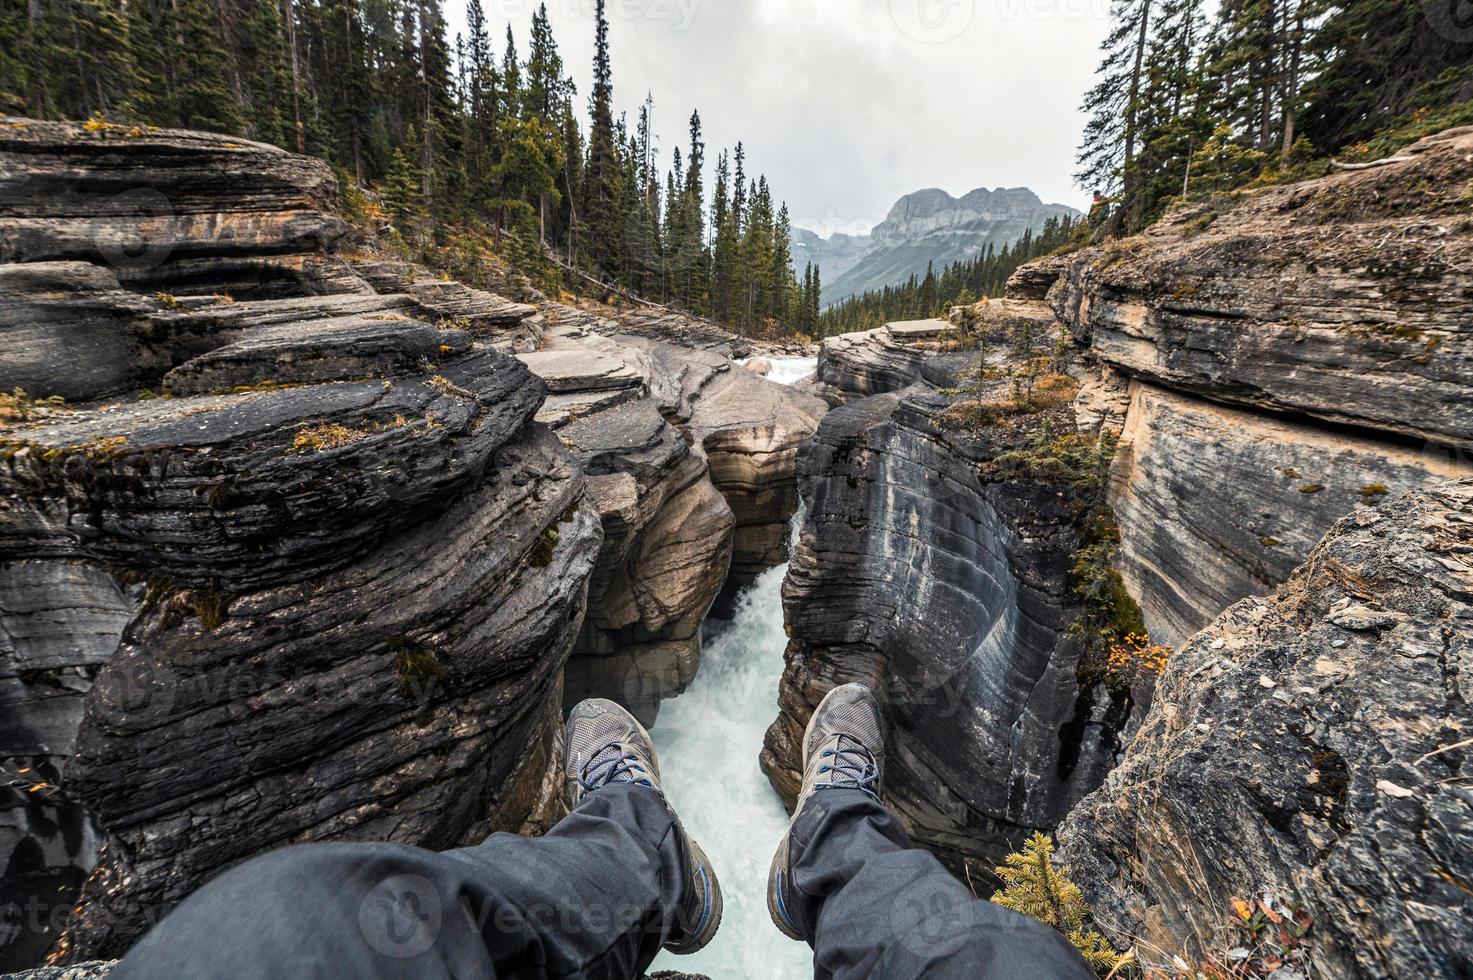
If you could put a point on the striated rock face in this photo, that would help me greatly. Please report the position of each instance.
(1217, 503)
(667, 531)
(691, 462)
(322, 587)
(750, 430)
(70, 330)
(166, 209)
(377, 658)
(947, 591)
(1342, 298)
(1312, 743)
(887, 359)
(1272, 361)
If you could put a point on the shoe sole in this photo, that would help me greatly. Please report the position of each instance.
(774, 891)
(713, 920)
(780, 860)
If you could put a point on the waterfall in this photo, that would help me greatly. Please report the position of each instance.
(787, 370)
(709, 739)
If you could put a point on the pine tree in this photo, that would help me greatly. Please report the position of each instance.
(1108, 146)
(689, 263)
(481, 97)
(1370, 63)
(547, 85)
(1172, 122)
(68, 60)
(726, 252)
(927, 303)
(601, 180)
(402, 190)
(783, 283)
(511, 78)
(263, 74)
(815, 304)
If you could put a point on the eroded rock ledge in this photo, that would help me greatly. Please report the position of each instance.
(317, 582)
(947, 590)
(1274, 360)
(692, 464)
(1314, 744)
(300, 558)
(888, 358)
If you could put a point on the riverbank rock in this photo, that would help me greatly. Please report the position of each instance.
(750, 431)
(1272, 360)
(888, 358)
(943, 584)
(692, 463)
(1312, 744)
(293, 564)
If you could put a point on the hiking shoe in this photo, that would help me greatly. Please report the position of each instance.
(605, 744)
(843, 748)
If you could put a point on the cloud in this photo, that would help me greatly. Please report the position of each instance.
(848, 104)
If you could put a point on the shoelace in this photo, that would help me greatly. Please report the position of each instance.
(853, 767)
(613, 763)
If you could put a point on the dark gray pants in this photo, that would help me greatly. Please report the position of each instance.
(594, 898)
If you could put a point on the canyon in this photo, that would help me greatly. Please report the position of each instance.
(305, 540)
(1259, 368)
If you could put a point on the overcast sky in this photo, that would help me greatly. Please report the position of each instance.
(848, 104)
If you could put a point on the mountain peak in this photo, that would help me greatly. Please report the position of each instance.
(925, 227)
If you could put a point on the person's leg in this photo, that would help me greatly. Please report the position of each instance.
(592, 898)
(596, 897)
(882, 908)
(847, 880)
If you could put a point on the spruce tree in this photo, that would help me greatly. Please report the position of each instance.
(602, 177)
(511, 78)
(726, 257)
(1107, 150)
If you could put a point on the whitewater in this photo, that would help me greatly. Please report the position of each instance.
(709, 739)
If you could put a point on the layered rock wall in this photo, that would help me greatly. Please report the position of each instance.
(947, 591)
(888, 358)
(318, 582)
(1313, 745)
(1273, 361)
(691, 462)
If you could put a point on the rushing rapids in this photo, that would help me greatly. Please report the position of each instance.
(708, 738)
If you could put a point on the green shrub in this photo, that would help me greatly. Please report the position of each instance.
(1034, 887)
